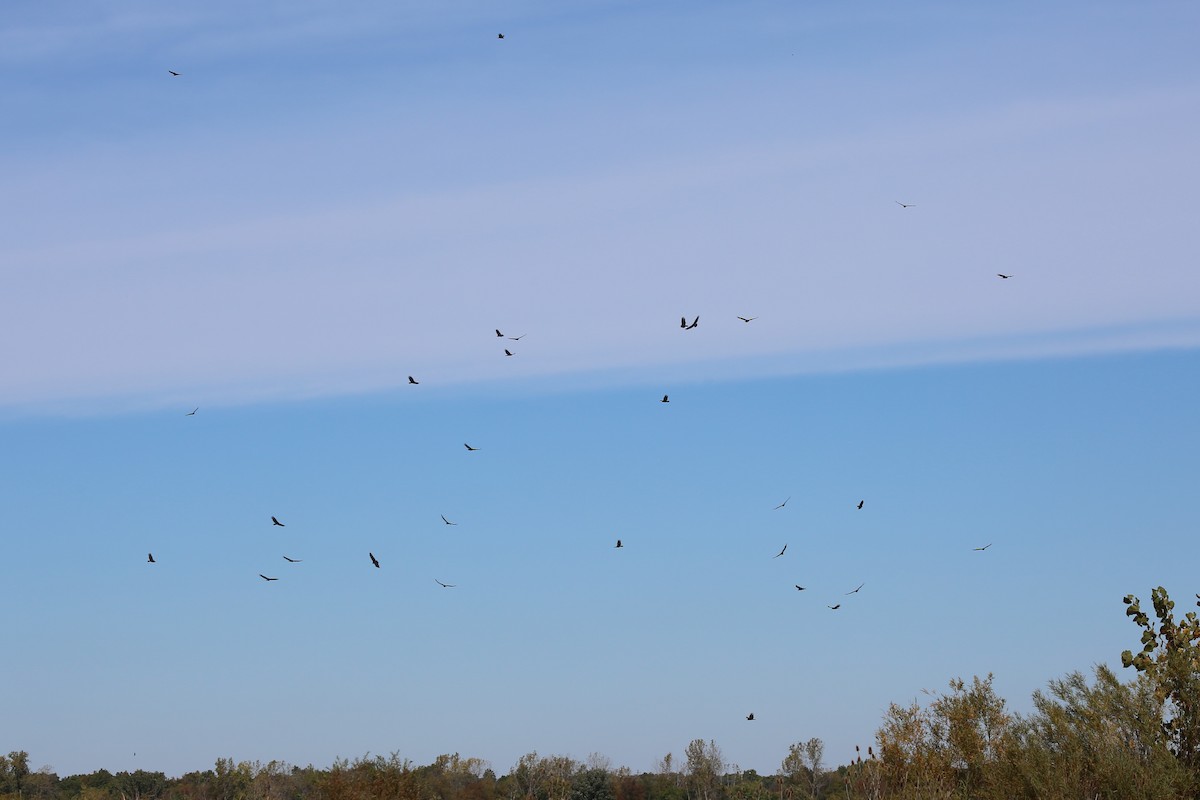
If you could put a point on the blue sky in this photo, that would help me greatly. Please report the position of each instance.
(332, 197)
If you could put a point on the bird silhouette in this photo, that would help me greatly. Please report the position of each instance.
(499, 35)
(856, 588)
(150, 558)
(750, 717)
(293, 560)
(374, 560)
(277, 522)
(413, 381)
(472, 449)
(683, 323)
(781, 505)
(173, 73)
(985, 547)
(860, 504)
(508, 352)
(747, 319)
(517, 338)
(265, 578)
(666, 399)
(444, 585)
(499, 335)
(1002, 275)
(448, 522)
(799, 588)
(781, 552)
(619, 543)
(834, 608)
(192, 413)
(695, 322)
(903, 205)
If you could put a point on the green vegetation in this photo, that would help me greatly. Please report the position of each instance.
(1098, 738)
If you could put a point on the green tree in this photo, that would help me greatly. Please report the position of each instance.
(1170, 658)
(13, 769)
(1097, 740)
(592, 784)
(949, 746)
(705, 768)
(803, 765)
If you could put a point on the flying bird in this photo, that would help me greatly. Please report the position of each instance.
(747, 319)
(799, 588)
(985, 547)
(781, 552)
(507, 352)
(173, 73)
(665, 399)
(619, 544)
(293, 560)
(472, 449)
(855, 589)
(695, 322)
(277, 522)
(517, 338)
(781, 505)
(860, 504)
(499, 35)
(683, 323)
(150, 558)
(444, 585)
(750, 717)
(265, 578)
(499, 335)
(834, 608)
(413, 381)
(448, 522)
(1002, 275)
(904, 205)
(374, 560)
(192, 413)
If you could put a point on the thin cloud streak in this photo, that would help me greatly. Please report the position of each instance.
(598, 266)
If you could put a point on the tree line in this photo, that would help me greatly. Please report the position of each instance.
(1087, 737)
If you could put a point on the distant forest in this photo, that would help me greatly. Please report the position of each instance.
(1086, 738)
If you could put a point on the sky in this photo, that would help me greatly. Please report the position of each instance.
(331, 197)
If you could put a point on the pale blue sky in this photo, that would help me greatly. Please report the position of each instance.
(334, 196)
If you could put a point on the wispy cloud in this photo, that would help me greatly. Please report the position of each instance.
(332, 253)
